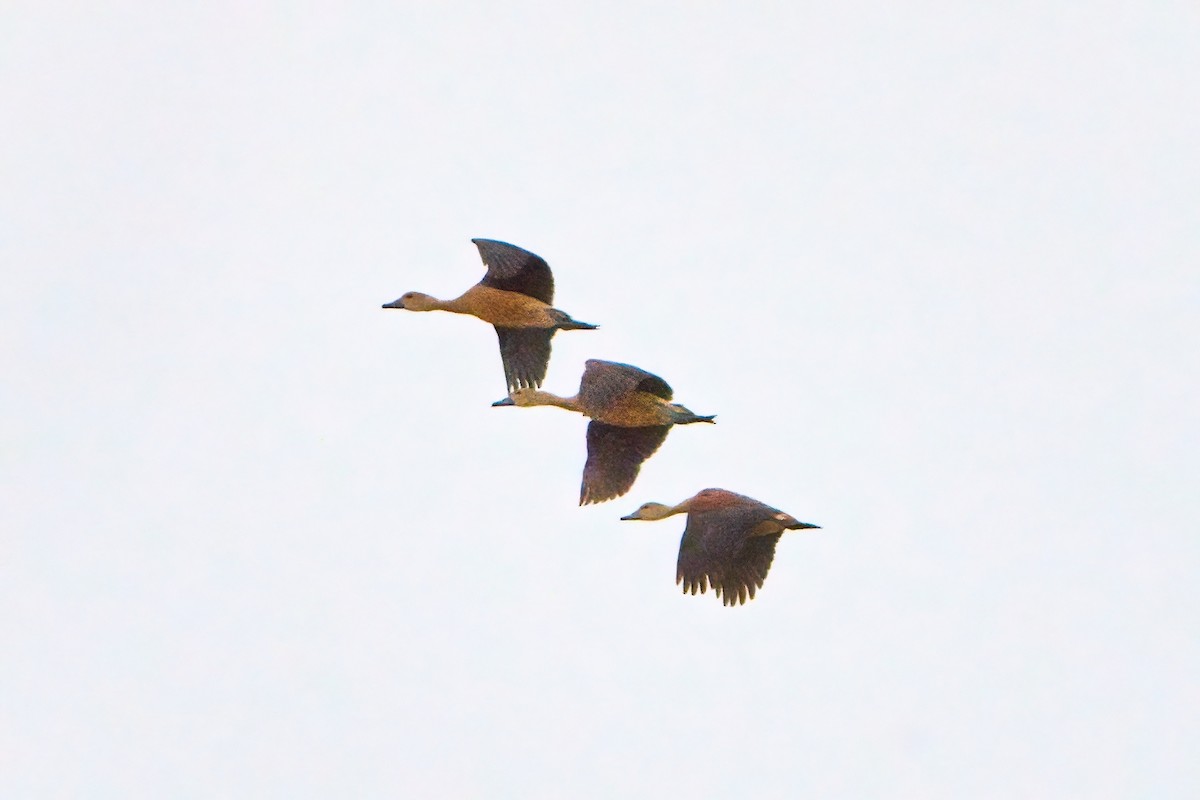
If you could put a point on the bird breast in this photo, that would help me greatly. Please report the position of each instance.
(505, 309)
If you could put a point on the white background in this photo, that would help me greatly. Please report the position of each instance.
(934, 266)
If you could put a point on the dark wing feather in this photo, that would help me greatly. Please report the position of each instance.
(615, 456)
(605, 381)
(515, 270)
(718, 551)
(749, 569)
(526, 354)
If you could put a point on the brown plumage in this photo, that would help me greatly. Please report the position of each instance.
(515, 296)
(728, 543)
(631, 415)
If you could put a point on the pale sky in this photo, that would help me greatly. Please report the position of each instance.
(934, 266)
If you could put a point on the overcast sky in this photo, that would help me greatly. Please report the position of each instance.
(934, 266)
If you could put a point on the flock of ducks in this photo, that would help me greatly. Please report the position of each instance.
(729, 539)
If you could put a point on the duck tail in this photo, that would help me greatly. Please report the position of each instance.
(685, 416)
(563, 322)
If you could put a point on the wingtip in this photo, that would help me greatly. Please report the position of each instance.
(588, 498)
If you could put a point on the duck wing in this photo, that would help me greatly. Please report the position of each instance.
(615, 457)
(525, 353)
(717, 550)
(511, 269)
(604, 382)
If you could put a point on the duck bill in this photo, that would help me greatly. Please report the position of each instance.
(508, 401)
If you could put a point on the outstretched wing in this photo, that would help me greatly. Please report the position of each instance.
(512, 269)
(604, 382)
(526, 354)
(615, 456)
(717, 550)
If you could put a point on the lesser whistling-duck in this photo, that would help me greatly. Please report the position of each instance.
(728, 543)
(631, 416)
(514, 296)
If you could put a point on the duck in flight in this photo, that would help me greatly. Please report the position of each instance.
(728, 542)
(631, 415)
(515, 296)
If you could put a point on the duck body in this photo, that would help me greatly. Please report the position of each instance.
(515, 296)
(501, 308)
(631, 414)
(728, 543)
(633, 410)
(636, 410)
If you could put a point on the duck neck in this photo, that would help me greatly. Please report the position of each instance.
(537, 397)
(456, 306)
(670, 511)
(682, 508)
